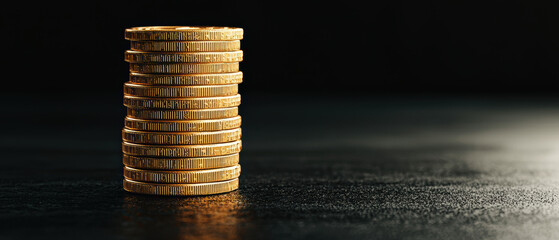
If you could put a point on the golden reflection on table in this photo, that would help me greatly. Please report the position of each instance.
(206, 217)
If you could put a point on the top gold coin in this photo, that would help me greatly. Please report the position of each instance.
(183, 33)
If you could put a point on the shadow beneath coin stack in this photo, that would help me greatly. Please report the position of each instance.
(206, 217)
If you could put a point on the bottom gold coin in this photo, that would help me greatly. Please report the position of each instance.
(161, 163)
(195, 176)
(180, 189)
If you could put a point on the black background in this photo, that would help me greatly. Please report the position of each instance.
(290, 46)
(361, 119)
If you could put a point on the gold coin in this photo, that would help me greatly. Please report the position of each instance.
(178, 57)
(207, 150)
(198, 114)
(184, 68)
(182, 103)
(193, 176)
(190, 79)
(190, 46)
(181, 138)
(180, 189)
(182, 126)
(183, 33)
(180, 163)
(180, 91)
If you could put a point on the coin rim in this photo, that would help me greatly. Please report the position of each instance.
(157, 187)
(208, 175)
(186, 29)
(197, 33)
(184, 68)
(142, 90)
(237, 55)
(193, 147)
(218, 136)
(129, 121)
(178, 46)
(233, 77)
(180, 103)
(192, 162)
(212, 111)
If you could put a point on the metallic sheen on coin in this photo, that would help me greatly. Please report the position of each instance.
(182, 103)
(178, 189)
(183, 33)
(182, 126)
(186, 57)
(197, 114)
(181, 138)
(184, 68)
(181, 150)
(186, 46)
(180, 91)
(187, 79)
(194, 176)
(164, 163)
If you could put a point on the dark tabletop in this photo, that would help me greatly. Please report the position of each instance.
(313, 167)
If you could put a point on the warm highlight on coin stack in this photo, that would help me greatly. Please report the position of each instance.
(182, 132)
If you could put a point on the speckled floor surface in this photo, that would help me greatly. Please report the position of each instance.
(318, 167)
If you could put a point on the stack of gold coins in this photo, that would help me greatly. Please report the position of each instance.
(182, 132)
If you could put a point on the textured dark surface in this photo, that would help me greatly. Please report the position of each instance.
(319, 167)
